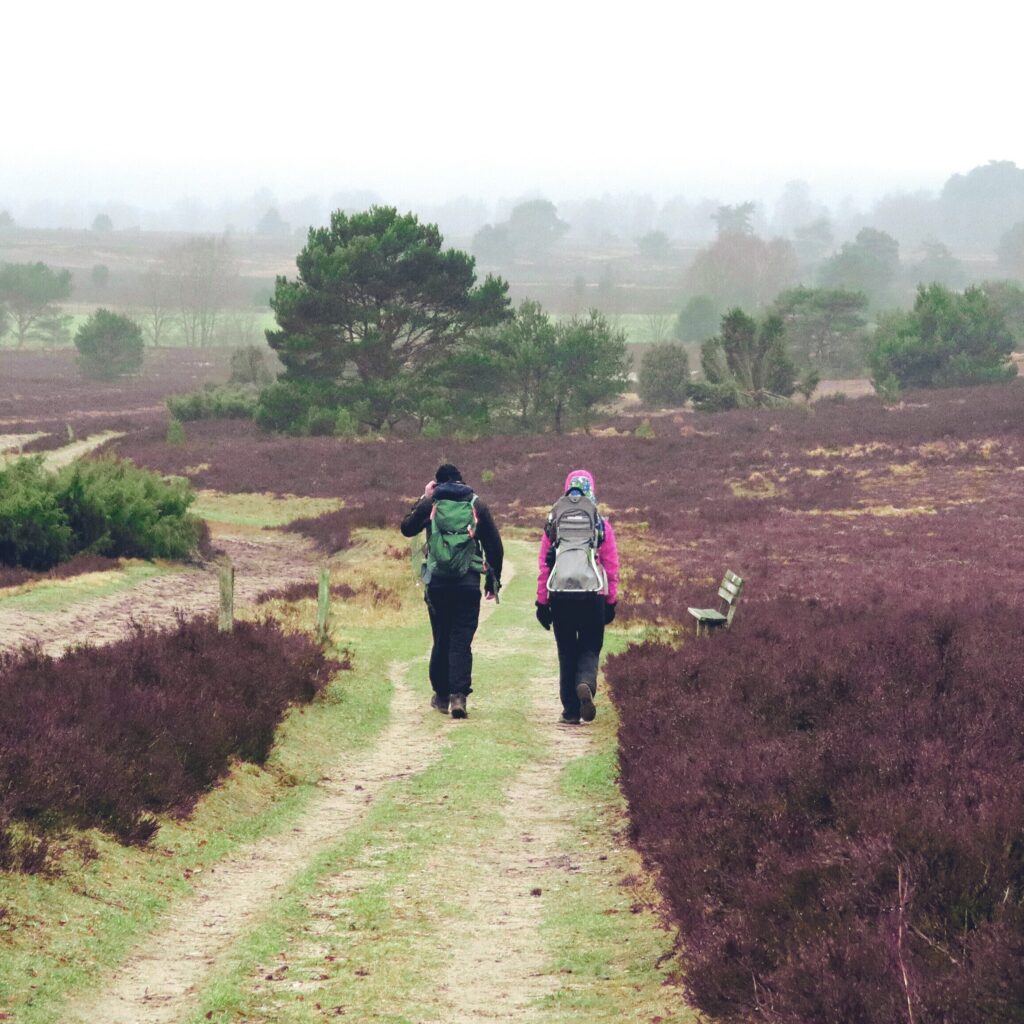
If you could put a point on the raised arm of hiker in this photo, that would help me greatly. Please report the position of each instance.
(419, 515)
(494, 550)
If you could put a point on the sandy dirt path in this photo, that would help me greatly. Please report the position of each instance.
(498, 965)
(263, 560)
(158, 984)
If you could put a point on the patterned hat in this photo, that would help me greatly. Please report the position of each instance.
(581, 480)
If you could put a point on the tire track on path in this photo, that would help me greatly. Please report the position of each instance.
(499, 962)
(159, 982)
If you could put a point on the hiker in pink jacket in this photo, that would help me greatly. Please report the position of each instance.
(577, 588)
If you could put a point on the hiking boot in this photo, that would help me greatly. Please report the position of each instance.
(458, 705)
(587, 709)
(569, 719)
(439, 704)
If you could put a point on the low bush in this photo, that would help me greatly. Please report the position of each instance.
(304, 592)
(297, 408)
(249, 365)
(77, 566)
(101, 507)
(332, 531)
(664, 378)
(229, 401)
(108, 737)
(109, 345)
(835, 801)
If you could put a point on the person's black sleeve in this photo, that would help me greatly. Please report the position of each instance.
(417, 518)
(490, 539)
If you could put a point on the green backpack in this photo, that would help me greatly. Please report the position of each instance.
(452, 547)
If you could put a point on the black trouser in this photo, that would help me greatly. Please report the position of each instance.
(578, 622)
(454, 615)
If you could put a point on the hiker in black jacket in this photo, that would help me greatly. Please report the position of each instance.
(453, 600)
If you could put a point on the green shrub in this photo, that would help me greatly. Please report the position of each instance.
(645, 431)
(320, 421)
(228, 401)
(288, 406)
(345, 424)
(714, 397)
(487, 476)
(948, 339)
(175, 433)
(664, 378)
(249, 366)
(103, 506)
(109, 345)
(34, 531)
(116, 509)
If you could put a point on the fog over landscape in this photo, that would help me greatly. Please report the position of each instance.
(160, 112)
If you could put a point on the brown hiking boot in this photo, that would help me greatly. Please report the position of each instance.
(439, 704)
(457, 702)
(569, 719)
(587, 709)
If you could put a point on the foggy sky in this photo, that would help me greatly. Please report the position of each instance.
(143, 103)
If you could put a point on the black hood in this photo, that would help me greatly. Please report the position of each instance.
(454, 490)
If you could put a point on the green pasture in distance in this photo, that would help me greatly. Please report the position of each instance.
(263, 510)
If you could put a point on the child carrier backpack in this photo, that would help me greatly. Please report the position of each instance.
(452, 548)
(574, 528)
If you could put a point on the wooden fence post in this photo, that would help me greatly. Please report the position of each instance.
(226, 618)
(323, 605)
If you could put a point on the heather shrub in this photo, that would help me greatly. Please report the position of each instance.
(332, 531)
(228, 401)
(108, 737)
(835, 801)
(77, 566)
(304, 592)
(100, 507)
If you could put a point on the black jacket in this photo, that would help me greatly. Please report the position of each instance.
(487, 535)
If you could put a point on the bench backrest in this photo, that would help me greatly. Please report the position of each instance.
(729, 592)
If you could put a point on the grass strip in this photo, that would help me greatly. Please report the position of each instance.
(56, 595)
(602, 928)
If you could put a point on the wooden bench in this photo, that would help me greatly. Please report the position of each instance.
(711, 618)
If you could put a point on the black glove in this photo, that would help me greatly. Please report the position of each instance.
(492, 585)
(544, 615)
(609, 614)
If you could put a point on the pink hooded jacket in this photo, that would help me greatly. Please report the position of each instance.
(607, 553)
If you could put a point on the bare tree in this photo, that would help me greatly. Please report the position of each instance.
(204, 273)
(154, 304)
(242, 329)
(659, 328)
